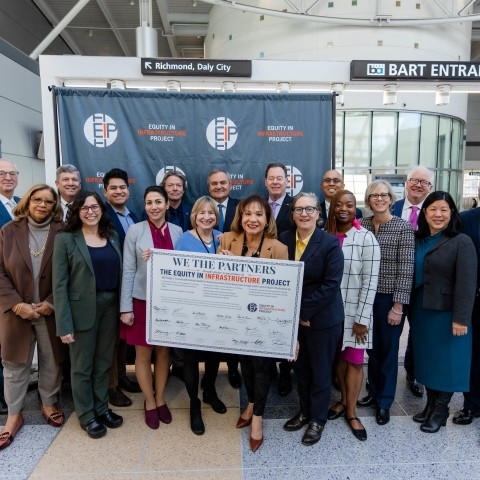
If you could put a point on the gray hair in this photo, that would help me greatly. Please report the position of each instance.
(374, 185)
(425, 170)
(218, 170)
(67, 168)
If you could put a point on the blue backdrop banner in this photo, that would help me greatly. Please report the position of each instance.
(149, 133)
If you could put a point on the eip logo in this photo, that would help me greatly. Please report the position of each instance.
(295, 180)
(222, 133)
(100, 130)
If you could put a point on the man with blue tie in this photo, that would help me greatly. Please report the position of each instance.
(219, 187)
(8, 182)
(419, 185)
(115, 188)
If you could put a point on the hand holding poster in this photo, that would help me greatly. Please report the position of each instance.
(225, 304)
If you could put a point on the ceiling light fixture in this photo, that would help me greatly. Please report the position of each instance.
(390, 94)
(283, 87)
(442, 95)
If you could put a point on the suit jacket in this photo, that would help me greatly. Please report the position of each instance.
(74, 285)
(134, 281)
(450, 276)
(112, 214)
(230, 213)
(471, 227)
(397, 207)
(16, 285)
(284, 220)
(271, 248)
(180, 216)
(4, 215)
(322, 303)
(323, 213)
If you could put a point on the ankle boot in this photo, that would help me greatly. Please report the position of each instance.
(420, 417)
(439, 415)
(196, 422)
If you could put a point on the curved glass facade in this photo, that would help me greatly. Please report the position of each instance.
(386, 142)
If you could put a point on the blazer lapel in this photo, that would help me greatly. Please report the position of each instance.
(82, 246)
(21, 237)
(47, 254)
(312, 245)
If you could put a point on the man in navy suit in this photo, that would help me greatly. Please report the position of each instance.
(419, 185)
(332, 182)
(8, 182)
(68, 185)
(276, 180)
(115, 188)
(219, 187)
(471, 400)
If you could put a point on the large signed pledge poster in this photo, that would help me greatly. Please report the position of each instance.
(223, 303)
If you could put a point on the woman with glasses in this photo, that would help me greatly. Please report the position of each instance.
(86, 277)
(321, 314)
(27, 318)
(397, 249)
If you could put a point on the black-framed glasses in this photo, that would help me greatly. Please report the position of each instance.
(376, 196)
(93, 208)
(417, 181)
(309, 210)
(39, 201)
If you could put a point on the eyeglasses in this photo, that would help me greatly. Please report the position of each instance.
(12, 174)
(309, 210)
(417, 181)
(376, 196)
(93, 208)
(336, 181)
(39, 201)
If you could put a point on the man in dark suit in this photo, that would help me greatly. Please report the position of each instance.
(68, 185)
(471, 399)
(219, 187)
(419, 185)
(332, 182)
(276, 179)
(8, 201)
(115, 188)
(175, 184)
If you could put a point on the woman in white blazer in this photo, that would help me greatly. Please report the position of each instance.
(359, 285)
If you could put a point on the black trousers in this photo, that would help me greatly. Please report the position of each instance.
(257, 373)
(472, 398)
(191, 359)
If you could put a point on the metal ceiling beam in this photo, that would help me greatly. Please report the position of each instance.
(113, 26)
(58, 29)
(165, 17)
(466, 7)
(53, 19)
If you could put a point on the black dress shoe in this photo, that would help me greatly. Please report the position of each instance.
(416, 388)
(382, 416)
(284, 383)
(129, 385)
(366, 401)
(196, 421)
(296, 423)
(3, 407)
(234, 378)
(117, 398)
(359, 433)
(110, 419)
(312, 434)
(94, 429)
(464, 417)
(333, 414)
(210, 397)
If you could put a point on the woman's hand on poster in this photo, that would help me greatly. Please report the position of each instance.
(146, 254)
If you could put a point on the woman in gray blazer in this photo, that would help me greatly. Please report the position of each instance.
(155, 232)
(440, 314)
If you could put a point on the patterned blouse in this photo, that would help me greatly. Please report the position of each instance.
(397, 247)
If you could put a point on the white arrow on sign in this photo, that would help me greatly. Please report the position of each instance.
(148, 65)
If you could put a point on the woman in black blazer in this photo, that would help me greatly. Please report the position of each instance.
(321, 314)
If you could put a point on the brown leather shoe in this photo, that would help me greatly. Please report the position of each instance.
(255, 444)
(312, 434)
(6, 438)
(296, 423)
(243, 422)
(55, 419)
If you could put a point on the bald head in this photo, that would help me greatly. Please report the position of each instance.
(332, 182)
(8, 178)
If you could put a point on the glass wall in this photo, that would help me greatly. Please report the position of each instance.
(386, 142)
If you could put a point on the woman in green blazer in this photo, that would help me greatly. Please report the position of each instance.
(86, 278)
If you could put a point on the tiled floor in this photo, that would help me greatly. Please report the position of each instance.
(398, 450)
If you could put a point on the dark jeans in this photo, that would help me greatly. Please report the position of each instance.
(257, 372)
(191, 375)
(383, 357)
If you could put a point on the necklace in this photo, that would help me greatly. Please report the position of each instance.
(39, 252)
(208, 243)
(255, 252)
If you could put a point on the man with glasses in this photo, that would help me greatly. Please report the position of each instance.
(8, 182)
(332, 182)
(115, 188)
(418, 186)
(68, 185)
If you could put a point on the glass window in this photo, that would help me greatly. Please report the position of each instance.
(444, 143)
(408, 139)
(384, 139)
(457, 145)
(428, 141)
(357, 139)
(339, 128)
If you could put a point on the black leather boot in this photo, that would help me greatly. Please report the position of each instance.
(439, 415)
(196, 422)
(420, 417)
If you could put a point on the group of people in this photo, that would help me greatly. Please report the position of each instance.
(72, 266)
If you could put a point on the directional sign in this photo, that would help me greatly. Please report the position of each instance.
(196, 67)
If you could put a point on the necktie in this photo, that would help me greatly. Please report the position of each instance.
(221, 218)
(274, 206)
(414, 217)
(11, 203)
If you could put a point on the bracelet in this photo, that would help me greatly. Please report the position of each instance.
(397, 313)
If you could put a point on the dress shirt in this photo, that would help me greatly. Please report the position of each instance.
(125, 218)
(301, 245)
(279, 203)
(407, 211)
